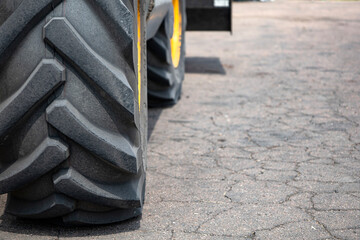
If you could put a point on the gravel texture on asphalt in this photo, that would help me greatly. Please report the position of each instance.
(265, 141)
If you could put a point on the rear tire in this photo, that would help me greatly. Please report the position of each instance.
(73, 117)
(165, 76)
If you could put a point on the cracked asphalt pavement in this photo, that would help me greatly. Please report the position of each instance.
(265, 141)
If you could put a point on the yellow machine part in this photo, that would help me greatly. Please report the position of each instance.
(175, 40)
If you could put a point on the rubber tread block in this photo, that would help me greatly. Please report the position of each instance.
(86, 218)
(60, 34)
(111, 147)
(45, 157)
(72, 183)
(44, 79)
(53, 206)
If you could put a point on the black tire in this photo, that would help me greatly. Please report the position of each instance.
(165, 79)
(72, 130)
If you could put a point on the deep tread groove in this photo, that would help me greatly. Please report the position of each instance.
(53, 206)
(72, 183)
(64, 38)
(49, 154)
(33, 91)
(117, 14)
(113, 9)
(20, 22)
(111, 147)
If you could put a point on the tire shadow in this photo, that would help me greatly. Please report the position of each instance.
(153, 117)
(208, 65)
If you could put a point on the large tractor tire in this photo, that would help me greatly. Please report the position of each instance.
(73, 117)
(166, 58)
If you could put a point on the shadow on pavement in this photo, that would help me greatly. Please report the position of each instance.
(209, 65)
(153, 115)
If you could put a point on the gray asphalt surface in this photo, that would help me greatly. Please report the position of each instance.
(265, 141)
